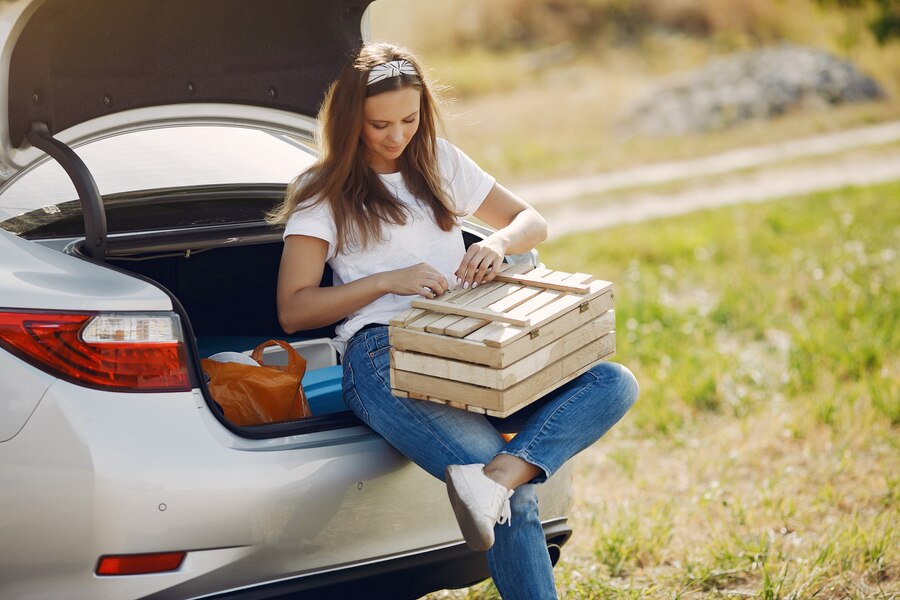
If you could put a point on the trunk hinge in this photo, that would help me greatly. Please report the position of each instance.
(91, 203)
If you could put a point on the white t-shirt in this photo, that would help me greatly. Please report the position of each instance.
(420, 240)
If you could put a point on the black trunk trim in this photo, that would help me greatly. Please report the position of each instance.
(92, 209)
(403, 578)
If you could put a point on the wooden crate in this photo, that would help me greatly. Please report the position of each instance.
(497, 348)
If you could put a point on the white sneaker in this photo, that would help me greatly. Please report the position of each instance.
(479, 503)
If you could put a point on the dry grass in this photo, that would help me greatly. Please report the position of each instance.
(773, 506)
(532, 112)
(739, 508)
(762, 462)
(762, 459)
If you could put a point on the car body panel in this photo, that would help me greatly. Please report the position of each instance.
(20, 395)
(35, 277)
(90, 472)
(157, 472)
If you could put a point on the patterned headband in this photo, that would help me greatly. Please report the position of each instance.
(394, 68)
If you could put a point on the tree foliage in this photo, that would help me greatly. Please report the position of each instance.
(884, 25)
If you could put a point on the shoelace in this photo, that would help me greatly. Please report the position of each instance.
(505, 511)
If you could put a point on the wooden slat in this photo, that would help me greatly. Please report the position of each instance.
(426, 320)
(456, 405)
(427, 317)
(544, 282)
(547, 378)
(539, 337)
(516, 269)
(510, 409)
(546, 298)
(484, 296)
(498, 334)
(467, 325)
(481, 313)
(413, 315)
(476, 352)
(528, 292)
(407, 317)
(501, 379)
(498, 358)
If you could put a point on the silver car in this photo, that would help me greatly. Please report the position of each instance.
(142, 144)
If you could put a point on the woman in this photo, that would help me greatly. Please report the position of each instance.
(382, 206)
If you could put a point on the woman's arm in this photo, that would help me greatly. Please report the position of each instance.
(302, 304)
(519, 229)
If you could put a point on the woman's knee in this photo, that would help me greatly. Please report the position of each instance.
(524, 501)
(621, 381)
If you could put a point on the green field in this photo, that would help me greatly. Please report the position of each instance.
(762, 459)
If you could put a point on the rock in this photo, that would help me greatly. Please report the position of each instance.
(758, 84)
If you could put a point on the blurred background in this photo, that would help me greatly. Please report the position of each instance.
(541, 87)
(733, 166)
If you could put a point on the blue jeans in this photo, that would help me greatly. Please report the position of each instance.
(548, 433)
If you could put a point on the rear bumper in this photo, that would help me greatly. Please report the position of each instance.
(101, 473)
(411, 576)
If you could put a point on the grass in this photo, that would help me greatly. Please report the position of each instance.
(787, 298)
(762, 458)
(547, 129)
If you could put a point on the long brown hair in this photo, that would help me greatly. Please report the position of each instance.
(341, 177)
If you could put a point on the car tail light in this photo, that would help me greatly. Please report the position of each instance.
(121, 351)
(140, 564)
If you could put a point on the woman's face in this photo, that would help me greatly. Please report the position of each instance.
(391, 119)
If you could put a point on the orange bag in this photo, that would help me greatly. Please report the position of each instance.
(252, 395)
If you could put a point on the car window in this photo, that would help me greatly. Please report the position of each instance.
(162, 158)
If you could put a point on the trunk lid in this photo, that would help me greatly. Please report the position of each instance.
(68, 62)
(89, 68)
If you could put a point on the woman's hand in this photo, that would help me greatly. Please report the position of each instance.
(481, 262)
(302, 304)
(421, 279)
(519, 229)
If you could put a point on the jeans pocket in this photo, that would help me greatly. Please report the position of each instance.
(381, 364)
(351, 396)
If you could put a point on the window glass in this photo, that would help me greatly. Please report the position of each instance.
(170, 157)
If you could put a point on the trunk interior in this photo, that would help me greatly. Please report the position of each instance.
(228, 294)
(227, 291)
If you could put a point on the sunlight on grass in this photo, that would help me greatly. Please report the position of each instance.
(765, 339)
(798, 300)
(762, 458)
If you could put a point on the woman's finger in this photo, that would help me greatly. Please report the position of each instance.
(469, 269)
(487, 267)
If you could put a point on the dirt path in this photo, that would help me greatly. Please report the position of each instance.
(818, 163)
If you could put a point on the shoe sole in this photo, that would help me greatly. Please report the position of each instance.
(471, 534)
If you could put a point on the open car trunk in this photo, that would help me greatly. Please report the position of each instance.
(227, 292)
